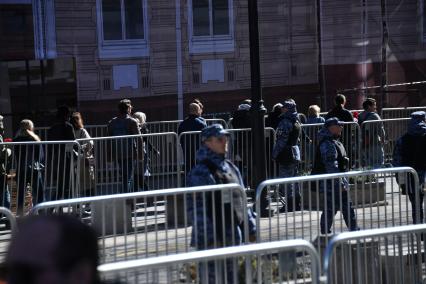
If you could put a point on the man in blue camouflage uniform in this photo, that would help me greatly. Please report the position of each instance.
(410, 151)
(208, 232)
(331, 158)
(287, 153)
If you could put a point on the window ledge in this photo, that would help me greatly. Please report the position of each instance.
(211, 45)
(123, 50)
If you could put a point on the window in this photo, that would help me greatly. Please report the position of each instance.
(211, 26)
(122, 28)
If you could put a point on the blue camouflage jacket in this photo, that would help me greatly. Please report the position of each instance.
(416, 128)
(285, 126)
(329, 157)
(200, 175)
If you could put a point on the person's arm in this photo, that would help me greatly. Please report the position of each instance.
(69, 132)
(397, 159)
(329, 159)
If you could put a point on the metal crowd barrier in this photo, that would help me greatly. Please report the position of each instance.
(386, 255)
(8, 229)
(154, 223)
(378, 138)
(402, 112)
(351, 135)
(375, 195)
(240, 152)
(130, 163)
(37, 172)
(257, 263)
(93, 130)
(173, 125)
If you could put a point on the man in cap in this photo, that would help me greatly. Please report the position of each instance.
(287, 153)
(410, 151)
(330, 157)
(219, 217)
(5, 154)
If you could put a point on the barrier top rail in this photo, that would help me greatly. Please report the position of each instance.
(11, 218)
(357, 235)
(222, 253)
(318, 178)
(143, 194)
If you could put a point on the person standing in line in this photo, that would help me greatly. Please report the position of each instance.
(339, 110)
(314, 115)
(87, 160)
(372, 135)
(410, 151)
(125, 150)
(191, 143)
(62, 157)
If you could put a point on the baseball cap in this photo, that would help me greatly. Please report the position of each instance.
(332, 121)
(214, 130)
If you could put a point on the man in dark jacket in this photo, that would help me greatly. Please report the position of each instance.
(191, 143)
(331, 158)
(60, 163)
(5, 154)
(339, 110)
(410, 151)
(125, 150)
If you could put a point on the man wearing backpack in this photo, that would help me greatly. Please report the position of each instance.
(287, 153)
(373, 135)
(217, 218)
(330, 157)
(125, 150)
(410, 151)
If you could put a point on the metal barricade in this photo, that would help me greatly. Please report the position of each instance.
(401, 112)
(97, 130)
(154, 223)
(375, 197)
(378, 138)
(130, 163)
(8, 229)
(240, 152)
(257, 263)
(351, 136)
(387, 255)
(173, 125)
(37, 172)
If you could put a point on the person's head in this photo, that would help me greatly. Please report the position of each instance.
(24, 126)
(53, 249)
(140, 117)
(215, 138)
(125, 106)
(418, 116)
(334, 126)
(63, 113)
(195, 109)
(314, 111)
(277, 108)
(1, 125)
(289, 106)
(369, 105)
(340, 100)
(198, 102)
(77, 120)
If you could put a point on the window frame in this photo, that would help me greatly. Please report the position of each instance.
(211, 43)
(125, 48)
